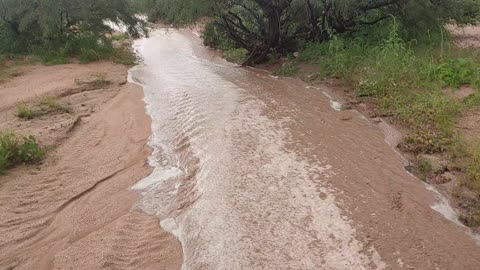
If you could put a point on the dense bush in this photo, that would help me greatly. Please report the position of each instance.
(56, 29)
(15, 150)
(265, 27)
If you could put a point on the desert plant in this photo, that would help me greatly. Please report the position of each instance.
(235, 55)
(15, 150)
(458, 71)
(50, 104)
(25, 112)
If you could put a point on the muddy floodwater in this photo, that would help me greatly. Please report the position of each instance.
(257, 172)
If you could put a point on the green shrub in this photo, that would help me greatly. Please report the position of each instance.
(215, 38)
(124, 56)
(235, 55)
(455, 72)
(25, 112)
(120, 37)
(88, 55)
(473, 170)
(313, 51)
(51, 58)
(55, 30)
(15, 150)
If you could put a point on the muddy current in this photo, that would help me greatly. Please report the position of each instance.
(258, 172)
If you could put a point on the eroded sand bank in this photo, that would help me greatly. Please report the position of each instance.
(76, 210)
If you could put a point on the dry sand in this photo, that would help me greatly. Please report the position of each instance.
(76, 210)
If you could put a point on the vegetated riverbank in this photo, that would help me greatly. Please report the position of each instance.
(429, 95)
(75, 209)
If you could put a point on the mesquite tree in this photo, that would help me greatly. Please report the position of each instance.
(26, 25)
(276, 26)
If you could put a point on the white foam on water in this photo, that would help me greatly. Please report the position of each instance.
(337, 106)
(157, 177)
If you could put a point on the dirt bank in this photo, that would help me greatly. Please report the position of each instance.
(76, 209)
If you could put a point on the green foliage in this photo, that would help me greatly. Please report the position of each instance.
(15, 150)
(56, 30)
(313, 51)
(458, 71)
(473, 100)
(283, 26)
(214, 37)
(287, 70)
(120, 37)
(404, 80)
(25, 112)
(51, 58)
(473, 169)
(123, 56)
(235, 55)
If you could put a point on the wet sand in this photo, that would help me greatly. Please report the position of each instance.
(76, 210)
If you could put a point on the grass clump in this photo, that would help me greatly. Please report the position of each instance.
(99, 80)
(46, 105)
(51, 104)
(471, 206)
(24, 111)
(473, 169)
(16, 150)
(287, 70)
(236, 55)
(473, 100)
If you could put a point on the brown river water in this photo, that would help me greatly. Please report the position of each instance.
(257, 172)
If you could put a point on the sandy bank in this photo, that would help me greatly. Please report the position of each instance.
(76, 210)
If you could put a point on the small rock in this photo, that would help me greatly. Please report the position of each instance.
(296, 54)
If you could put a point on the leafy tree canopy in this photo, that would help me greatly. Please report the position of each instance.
(266, 26)
(27, 25)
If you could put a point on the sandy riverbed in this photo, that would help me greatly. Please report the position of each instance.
(76, 209)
